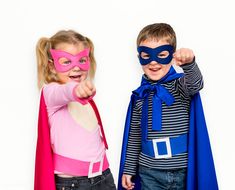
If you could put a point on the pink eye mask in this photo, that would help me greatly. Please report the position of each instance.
(81, 60)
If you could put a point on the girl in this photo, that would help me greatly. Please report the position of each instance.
(71, 143)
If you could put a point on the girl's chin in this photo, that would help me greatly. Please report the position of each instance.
(75, 80)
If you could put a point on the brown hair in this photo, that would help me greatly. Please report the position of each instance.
(45, 75)
(158, 31)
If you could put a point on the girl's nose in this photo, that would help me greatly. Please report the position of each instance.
(76, 68)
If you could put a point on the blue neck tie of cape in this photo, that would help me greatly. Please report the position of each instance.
(160, 95)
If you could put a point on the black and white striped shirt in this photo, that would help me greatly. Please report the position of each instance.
(175, 121)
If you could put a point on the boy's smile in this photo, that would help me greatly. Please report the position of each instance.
(154, 70)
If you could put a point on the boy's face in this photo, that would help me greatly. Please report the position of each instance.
(154, 70)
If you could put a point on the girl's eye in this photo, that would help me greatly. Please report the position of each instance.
(83, 60)
(64, 61)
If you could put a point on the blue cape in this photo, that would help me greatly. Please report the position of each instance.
(201, 173)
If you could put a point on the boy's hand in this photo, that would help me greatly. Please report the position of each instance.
(126, 182)
(183, 56)
(85, 89)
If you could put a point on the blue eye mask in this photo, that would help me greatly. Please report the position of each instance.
(153, 54)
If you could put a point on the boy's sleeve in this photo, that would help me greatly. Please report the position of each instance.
(134, 144)
(192, 82)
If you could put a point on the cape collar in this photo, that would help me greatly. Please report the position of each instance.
(160, 94)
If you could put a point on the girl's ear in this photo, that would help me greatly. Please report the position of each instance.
(51, 66)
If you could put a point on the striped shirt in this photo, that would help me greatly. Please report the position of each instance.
(175, 122)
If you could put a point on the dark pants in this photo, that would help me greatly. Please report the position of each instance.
(154, 179)
(102, 182)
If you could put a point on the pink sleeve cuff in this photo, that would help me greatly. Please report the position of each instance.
(83, 101)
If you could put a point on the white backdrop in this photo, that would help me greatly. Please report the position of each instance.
(204, 26)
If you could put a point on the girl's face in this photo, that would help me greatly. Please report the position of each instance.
(154, 70)
(74, 74)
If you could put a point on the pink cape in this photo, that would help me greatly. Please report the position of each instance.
(44, 169)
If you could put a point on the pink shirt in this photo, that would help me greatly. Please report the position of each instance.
(67, 137)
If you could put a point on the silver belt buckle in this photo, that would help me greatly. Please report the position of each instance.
(168, 147)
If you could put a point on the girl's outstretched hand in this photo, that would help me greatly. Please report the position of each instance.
(85, 89)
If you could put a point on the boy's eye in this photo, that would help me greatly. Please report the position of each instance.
(163, 54)
(83, 60)
(64, 61)
(144, 55)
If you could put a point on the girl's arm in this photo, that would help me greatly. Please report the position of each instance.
(58, 95)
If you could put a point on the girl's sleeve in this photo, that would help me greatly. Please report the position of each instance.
(58, 95)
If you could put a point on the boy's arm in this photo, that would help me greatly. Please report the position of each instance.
(134, 144)
(192, 82)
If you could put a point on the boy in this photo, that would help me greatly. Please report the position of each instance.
(155, 145)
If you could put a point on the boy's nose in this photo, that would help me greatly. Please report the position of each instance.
(153, 63)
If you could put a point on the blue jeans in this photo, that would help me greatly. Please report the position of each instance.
(154, 179)
(102, 182)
